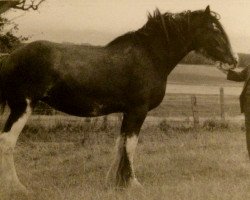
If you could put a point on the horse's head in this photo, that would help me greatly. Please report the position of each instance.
(209, 37)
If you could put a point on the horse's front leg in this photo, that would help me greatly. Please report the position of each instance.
(9, 182)
(122, 172)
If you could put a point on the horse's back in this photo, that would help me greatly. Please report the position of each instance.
(64, 75)
(84, 64)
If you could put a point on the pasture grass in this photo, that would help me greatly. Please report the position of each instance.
(66, 158)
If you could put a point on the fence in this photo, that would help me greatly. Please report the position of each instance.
(177, 107)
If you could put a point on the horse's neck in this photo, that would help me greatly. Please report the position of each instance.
(169, 55)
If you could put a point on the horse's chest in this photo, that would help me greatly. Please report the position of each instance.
(157, 95)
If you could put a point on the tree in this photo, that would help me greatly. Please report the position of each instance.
(8, 40)
(19, 4)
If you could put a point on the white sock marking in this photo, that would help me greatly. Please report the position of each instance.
(8, 175)
(17, 126)
(131, 144)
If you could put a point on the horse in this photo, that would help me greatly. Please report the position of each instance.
(128, 76)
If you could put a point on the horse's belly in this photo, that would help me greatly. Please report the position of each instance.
(83, 105)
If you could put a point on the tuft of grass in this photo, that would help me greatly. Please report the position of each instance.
(69, 129)
(181, 127)
(213, 124)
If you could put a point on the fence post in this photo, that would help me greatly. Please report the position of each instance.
(222, 109)
(195, 110)
(105, 123)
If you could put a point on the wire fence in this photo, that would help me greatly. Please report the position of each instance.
(175, 107)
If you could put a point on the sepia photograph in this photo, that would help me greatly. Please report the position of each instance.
(124, 100)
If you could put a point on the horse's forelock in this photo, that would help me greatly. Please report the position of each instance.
(215, 19)
(215, 15)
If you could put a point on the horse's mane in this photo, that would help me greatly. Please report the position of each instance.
(172, 24)
(123, 38)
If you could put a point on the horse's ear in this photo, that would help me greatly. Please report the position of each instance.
(207, 10)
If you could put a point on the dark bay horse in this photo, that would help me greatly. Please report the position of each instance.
(129, 75)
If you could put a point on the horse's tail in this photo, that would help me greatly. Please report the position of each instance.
(3, 59)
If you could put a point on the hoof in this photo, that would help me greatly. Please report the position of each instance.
(20, 188)
(110, 180)
(134, 183)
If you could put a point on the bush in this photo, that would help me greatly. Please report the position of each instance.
(179, 127)
(182, 127)
(56, 128)
(164, 126)
(212, 124)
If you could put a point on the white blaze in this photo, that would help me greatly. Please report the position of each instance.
(131, 144)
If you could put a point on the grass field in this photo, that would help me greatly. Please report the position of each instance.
(68, 159)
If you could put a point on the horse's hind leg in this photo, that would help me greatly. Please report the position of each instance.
(9, 182)
(122, 172)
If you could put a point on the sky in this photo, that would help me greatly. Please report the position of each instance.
(99, 21)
